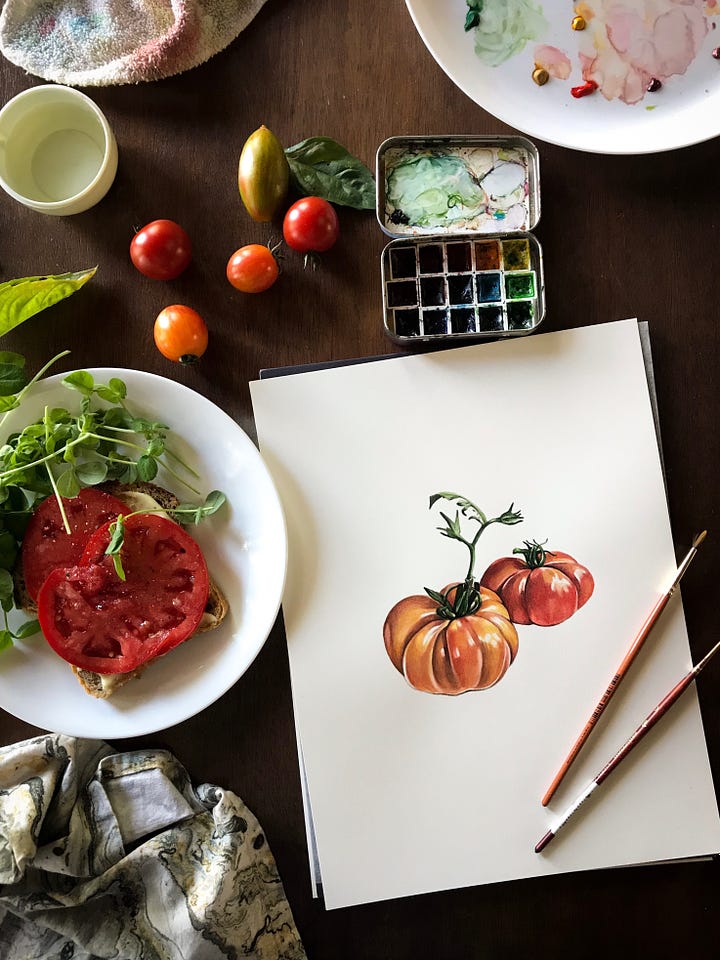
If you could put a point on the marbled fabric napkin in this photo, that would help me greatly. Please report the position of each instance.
(116, 855)
(87, 43)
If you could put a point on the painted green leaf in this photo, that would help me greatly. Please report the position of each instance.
(26, 296)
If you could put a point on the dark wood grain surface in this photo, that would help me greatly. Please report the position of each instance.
(622, 236)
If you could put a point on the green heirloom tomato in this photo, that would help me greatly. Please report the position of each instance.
(263, 174)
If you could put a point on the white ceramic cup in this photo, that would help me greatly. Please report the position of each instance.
(58, 154)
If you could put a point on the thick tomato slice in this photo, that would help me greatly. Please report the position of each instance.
(99, 622)
(47, 545)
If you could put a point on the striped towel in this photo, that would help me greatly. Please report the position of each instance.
(87, 43)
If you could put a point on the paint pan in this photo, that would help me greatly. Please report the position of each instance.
(463, 264)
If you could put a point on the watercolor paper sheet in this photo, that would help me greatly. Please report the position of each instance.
(415, 786)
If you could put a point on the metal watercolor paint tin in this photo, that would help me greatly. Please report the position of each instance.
(463, 264)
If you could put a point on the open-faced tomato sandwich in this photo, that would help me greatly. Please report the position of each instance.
(109, 611)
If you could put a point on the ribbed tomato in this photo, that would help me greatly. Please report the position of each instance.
(543, 587)
(436, 654)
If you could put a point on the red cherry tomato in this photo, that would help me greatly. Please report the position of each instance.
(99, 622)
(161, 250)
(180, 333)
(253, 268)
(543, 587)
(47, 545)
(311, 225)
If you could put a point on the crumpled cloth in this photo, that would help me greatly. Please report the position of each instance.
(96, 43)
(115, 855)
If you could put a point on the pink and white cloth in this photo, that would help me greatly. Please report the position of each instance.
(103, 42)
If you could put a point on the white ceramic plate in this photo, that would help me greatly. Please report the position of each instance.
(245, 546)
(685, 110)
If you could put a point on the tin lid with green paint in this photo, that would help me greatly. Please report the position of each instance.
(455, 185)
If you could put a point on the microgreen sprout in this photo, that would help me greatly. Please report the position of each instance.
(26, 629)
(183, 513)
(68, 449)
(464, 600)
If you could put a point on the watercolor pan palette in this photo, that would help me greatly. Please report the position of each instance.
(480, 287)
(463, 264)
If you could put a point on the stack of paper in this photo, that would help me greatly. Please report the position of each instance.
(411, 791)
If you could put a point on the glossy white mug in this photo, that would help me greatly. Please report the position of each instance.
(58, 154)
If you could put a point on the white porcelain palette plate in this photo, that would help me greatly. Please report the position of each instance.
(245, 546)
(625, 46)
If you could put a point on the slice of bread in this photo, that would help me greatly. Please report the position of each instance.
(141, 495)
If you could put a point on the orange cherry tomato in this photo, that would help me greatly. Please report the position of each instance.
(253, 268)
(180, 334)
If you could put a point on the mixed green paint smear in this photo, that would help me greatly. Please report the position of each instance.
(501, 28)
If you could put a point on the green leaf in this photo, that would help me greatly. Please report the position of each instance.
(114, 392)
(147, 468)
(80, 380)
(12, 379)
(7, 586)
(27, 629)
(8, 550)
(117, 536)
(67, 483)
(91, 472)
(194, 513)
(22, 298)
(6, 356)
(5, 640)
(321, 167)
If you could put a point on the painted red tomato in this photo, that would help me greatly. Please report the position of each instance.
(99, 622)
(541, 586)
(47, 545)
(450, 656)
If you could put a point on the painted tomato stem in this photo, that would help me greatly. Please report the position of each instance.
(535, 555)
(466, 598)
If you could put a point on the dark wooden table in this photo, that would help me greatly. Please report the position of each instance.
(622, 236)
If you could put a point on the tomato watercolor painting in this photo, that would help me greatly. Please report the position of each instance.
(464, 637)
(545, 587)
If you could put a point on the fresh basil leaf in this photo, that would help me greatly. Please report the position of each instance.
(316, 150)
(6, 356)
(5, 639)
(27, 629)
(321, 167)
(12, 379)
(22, 298)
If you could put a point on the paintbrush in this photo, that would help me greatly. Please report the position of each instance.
(648, 723)
(637, 643)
